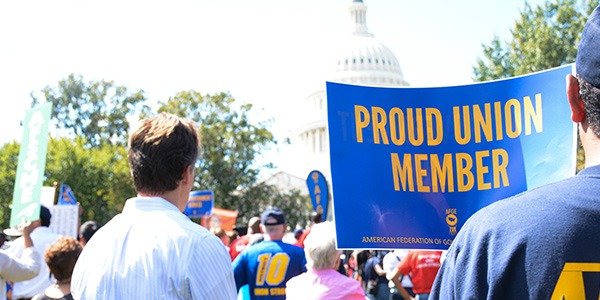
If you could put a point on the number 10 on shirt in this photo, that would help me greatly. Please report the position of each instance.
(272, 268)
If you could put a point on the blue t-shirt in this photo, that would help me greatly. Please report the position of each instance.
(540, 244)
(266, 267)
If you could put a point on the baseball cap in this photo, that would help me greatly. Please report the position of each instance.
(272, 216)
(588, 56)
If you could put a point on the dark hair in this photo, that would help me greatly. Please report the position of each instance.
(316, 217)
(591, 99)
(160, 150)
(45, 216)
(61, 257)
(87, 230)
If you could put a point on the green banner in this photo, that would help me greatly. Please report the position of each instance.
(32, 161)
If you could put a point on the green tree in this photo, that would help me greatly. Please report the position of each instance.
(228, 164)
(98, 111)
(9, 158)
(230, 142)
(254, 200)
(99, 177)
(545, 37)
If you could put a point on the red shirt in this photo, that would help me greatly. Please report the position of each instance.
(423, 267)
(300, 241)
(236, 247)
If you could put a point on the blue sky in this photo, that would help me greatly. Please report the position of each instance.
(271, 53)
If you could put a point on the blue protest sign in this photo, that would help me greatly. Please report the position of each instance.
(200, 204)
(319, 192)
(410, 165)
(66, 196)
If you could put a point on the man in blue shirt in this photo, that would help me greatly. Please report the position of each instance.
(543, 243)
(268, 265)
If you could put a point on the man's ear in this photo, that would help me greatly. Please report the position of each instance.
(188, 175)
(575, 101)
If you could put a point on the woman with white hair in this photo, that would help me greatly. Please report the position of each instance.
(322, 280)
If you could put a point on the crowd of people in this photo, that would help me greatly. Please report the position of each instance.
(153, 251)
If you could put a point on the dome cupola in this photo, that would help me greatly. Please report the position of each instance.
(364, 60)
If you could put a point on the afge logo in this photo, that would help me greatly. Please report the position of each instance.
(571, 284)
(451, 220)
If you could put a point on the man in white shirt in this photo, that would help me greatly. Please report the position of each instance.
(152, 250)
(19, 268)
(41, 236)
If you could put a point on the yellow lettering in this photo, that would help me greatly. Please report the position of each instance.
(278, 291)
(442, 173)
(465, 137)
(415, 138)
(432, 114)
(481, 170)
(535, 116)
(499, 165)
(459, 171)
(362, 119)
(481, 123)
(570, 284)
(498, 119)
(261, 291)
(420, 173)
(396, 126)
(402, 174)
(379, 122)
(513, 107)
(464, 176)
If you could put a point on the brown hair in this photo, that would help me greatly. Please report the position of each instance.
(160, 150)
(61, 257)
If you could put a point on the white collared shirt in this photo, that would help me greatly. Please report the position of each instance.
(18, 268)
(153, 251)
(41, 237)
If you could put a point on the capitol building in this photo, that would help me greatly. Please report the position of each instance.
(361, 60)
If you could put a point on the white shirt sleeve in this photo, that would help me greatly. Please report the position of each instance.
(20, 268)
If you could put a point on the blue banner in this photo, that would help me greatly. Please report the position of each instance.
(66, 196)
(200, 204)
(319, 192)
(410, 165)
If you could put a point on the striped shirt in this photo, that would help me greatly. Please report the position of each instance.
(153, 251)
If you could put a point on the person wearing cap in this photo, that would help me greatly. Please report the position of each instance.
(151, 250)
(266, 266)
(24, 267)
(41, 236)
(543, 243)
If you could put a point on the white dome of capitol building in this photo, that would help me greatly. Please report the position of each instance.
(362, 60)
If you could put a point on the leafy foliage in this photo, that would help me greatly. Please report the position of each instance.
(96, 110)
(230, 142)
(254, 200)
(9, 158)
(99, 176)
(231, 145)
(543, 38)
(88, 150)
